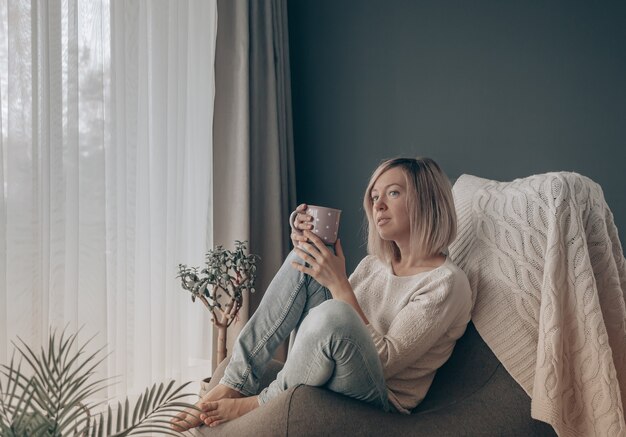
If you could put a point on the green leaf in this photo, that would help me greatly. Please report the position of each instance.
(52, 402)
(126, 410)
(100, 432)
(136, 410)
(109, 420)
(118, 424)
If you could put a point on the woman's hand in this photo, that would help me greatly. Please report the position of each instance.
(328, 269)
(301, 223)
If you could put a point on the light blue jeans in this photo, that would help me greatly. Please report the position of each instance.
(332, 348)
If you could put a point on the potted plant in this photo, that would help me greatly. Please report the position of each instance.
(52, 395)
(220, 286)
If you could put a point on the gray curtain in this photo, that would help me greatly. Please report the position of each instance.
(254, 179)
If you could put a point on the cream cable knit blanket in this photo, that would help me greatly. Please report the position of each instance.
(543, 256)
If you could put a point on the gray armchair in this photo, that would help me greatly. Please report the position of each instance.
(472, 395)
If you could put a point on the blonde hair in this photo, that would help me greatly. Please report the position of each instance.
(430, 204)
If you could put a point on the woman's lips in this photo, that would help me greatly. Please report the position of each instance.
(383, 221)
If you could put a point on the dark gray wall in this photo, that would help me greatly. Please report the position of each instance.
(498, 89)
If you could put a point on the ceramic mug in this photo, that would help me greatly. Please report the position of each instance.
(325, 222)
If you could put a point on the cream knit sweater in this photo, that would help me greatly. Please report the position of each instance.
(414, 322)
(543, 255)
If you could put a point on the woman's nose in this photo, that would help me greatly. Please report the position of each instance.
(379, 204)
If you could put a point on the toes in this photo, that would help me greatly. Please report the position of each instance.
(217, 422)
(178, 426)
(209, 414)
(210, 420)
(184, 421)
(179, 417)
(208, 407)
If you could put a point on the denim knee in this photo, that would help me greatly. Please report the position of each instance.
(330, 317)
(334, 349)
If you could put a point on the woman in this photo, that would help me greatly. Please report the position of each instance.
(378, 336)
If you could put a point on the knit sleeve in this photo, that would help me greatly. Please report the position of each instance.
(419, 325)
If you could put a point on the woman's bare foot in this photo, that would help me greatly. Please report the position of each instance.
(223, 410)
(191, 418)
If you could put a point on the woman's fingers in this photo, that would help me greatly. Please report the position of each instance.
(339, 248)
(208, 407)
(298, 237)
(302, 219)
(300, 216)
(317, 241)
(303, 222)
(305, 256)
(302, 268)
(310, 249)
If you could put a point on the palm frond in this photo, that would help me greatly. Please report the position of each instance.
(51, 397)
(62, 379)
(150, 413)
(17, 417)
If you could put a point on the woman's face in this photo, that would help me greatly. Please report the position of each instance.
(389, 206)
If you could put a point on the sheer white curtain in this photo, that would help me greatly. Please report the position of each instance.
(106, 135)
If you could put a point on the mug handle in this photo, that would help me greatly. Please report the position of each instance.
(292, 222)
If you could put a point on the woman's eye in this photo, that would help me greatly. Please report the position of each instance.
(394, 193)
(374, 198)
